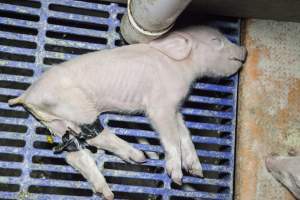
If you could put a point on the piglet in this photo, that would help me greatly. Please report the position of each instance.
(286, 169)
(151, 78)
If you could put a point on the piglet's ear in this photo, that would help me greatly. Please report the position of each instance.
(176, 45)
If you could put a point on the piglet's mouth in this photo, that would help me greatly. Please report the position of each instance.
(237, 59)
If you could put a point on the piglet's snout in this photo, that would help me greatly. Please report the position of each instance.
(238, 53)
(241, 53)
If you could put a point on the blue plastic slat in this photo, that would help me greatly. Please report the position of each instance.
(207, 113)
(212, 87)
(18, 22)
(17, 36)
(75, 44)
(211, 100)
(18, 9)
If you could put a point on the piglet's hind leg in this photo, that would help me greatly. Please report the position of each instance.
(83, 162)
(110, 142)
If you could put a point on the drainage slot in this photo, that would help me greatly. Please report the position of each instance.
(209, 133)
(18, 43)
(17, 57)
(10, 172)
(16, 15)
(200, 187)
(18, 29)
(44, 145)
(212, 174)
(11, 157)
(216, 175)
(133, 139)
(56, 175)
(9, 187)
(69, 50)
(120, 43)
(4, 98)
(212, 147)
(216, 81)
(14, 85)
(206, 106)
(96, 1)
(160, 155)
(78, 24)
(13, 113)
(213, 161)
(42, 131)
(27, 3)
(48, 160)
(59, 190)
(16, 71)
(129, 125)
(136, 196)
(80, 11)
(135, 182)
(12, 142)
(119, 16)
(13, 128)
(229, 31)
(207, 93)
(52, 61)
(133, 167)
(75, 37)
(204, 119)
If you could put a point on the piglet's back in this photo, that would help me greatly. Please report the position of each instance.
(124, 74)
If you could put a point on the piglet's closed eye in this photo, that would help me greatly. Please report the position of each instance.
(176, 46)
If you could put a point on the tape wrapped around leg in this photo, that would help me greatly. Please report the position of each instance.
(72, 141)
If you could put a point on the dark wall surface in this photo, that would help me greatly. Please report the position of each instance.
(285, 10)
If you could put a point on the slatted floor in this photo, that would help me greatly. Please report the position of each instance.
(37, 34)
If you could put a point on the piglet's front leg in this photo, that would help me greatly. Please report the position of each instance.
(164, 121)
(84, 163)
(190, 160)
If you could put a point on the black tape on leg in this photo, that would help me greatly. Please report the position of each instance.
(69, 144)
(89, 131)
(71, 141)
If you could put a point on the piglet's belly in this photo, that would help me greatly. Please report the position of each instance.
(122, 103)
(115, 105)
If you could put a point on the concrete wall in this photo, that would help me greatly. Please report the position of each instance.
(269, 106)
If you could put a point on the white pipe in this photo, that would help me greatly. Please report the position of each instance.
(148, 19)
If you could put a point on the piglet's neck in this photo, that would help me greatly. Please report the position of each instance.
(192, 71)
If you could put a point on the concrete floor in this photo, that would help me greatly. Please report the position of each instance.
(269, 106)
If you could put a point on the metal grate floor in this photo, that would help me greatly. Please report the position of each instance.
(35, 34)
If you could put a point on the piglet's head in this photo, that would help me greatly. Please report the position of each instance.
(204, 49)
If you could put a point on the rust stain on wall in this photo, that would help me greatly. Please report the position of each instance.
(253, 59)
